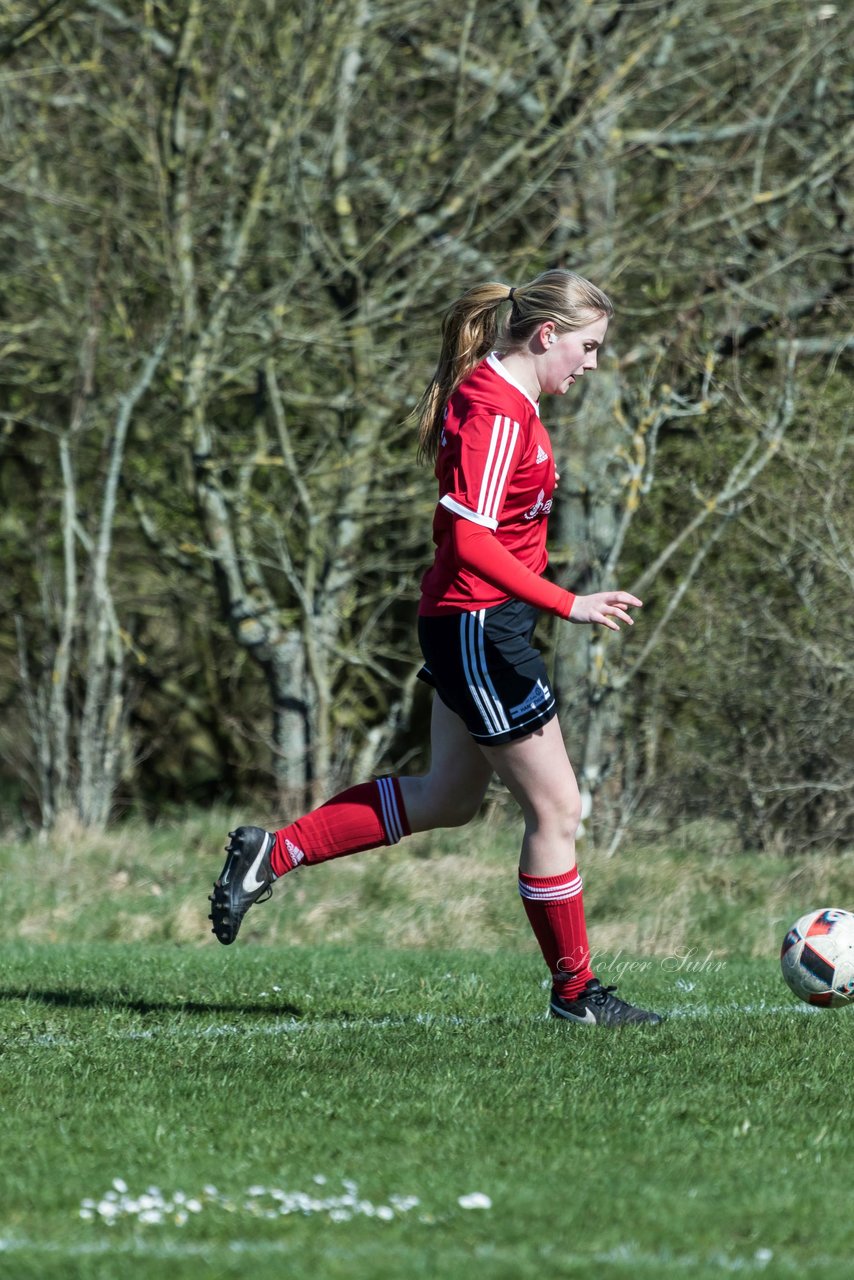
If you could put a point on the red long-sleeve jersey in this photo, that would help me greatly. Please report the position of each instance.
(496, 472)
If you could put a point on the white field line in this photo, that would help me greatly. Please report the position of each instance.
(655, 1261)
(292, 1026)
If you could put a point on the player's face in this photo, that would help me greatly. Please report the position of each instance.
(570, 356)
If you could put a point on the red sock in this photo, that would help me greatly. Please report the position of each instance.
(362, 817)
(555, 908)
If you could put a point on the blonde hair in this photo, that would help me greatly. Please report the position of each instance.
(471, 329)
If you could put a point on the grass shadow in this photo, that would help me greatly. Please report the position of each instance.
(79, 999)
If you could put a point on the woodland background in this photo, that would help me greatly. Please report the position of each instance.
(229, 232)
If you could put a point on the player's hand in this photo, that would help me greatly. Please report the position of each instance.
(605, 607)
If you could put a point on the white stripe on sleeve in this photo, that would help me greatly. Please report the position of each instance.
(451, 504)
(500, 483)
(498, 459)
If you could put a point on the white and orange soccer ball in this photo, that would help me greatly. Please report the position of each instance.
(817, 957)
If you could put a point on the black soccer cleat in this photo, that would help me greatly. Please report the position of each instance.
(246, 878)
(597, 1005)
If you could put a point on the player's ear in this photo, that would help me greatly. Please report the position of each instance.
(547, 334)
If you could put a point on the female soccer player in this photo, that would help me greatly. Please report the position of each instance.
(494, 709)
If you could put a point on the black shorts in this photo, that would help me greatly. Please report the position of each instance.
(484, 667)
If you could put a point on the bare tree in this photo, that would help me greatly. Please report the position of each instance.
(77, 700)
(708, 271)
(306, 189)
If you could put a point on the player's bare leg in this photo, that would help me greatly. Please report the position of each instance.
(363, 817)
(537, 772)
(451, 793)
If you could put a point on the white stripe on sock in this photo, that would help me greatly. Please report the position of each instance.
(551, 893)
(391, 815)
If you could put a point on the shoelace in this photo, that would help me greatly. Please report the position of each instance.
(600, 995)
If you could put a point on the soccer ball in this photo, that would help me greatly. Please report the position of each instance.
(817, 957)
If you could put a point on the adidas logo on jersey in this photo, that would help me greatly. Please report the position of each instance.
(542, 456)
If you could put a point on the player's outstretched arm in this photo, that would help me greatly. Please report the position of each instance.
(477, 549)
(605, 607)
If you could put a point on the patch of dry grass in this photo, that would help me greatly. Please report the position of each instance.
(454, 889)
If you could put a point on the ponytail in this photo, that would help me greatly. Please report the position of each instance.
(470, 330)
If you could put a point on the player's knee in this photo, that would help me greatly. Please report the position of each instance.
(568, 822)
(559, 820)
(445, 805)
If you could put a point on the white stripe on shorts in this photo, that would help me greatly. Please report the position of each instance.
(481, 688)
(391, 814)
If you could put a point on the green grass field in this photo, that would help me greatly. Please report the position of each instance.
(325, 1110)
